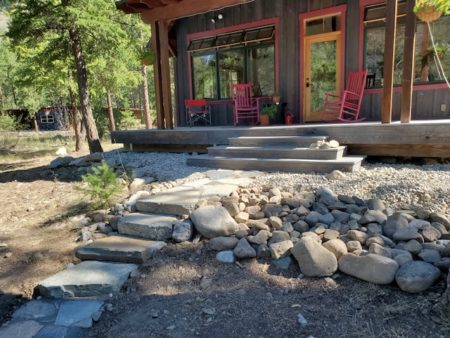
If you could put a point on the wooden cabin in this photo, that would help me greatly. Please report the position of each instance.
(298, 50)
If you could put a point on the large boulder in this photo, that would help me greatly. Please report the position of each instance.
(213, 222)
(416, 276)
(314, 260)
(370, 268)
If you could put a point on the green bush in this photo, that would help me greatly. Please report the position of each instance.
(102, 185)
(128, 120)
(8, 123)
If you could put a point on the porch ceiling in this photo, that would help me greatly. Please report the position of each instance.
(167, 10)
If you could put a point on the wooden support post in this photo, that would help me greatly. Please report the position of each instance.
(389, 55)
(408, 62)
(157, 76)
(165, 74)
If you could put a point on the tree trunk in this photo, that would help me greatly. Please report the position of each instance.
(112, 122)
(76, 122)
(83, 92)
(148, 118)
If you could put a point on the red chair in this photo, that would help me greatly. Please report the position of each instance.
(347, 107)
(197, 111)
(245, 106)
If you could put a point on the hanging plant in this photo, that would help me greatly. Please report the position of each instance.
(431, 10)
(148, 57)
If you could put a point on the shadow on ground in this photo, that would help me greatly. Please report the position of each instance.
(190, 294)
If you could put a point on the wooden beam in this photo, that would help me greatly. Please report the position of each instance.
(157, 76)
(408, 62)
(165, 74)
(389, 56)
(184, 8)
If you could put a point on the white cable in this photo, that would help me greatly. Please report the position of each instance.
(440, 68)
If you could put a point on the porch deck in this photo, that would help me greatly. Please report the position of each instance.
(426, 138)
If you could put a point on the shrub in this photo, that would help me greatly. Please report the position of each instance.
(128, 120)
(102, 185)
(8, 123)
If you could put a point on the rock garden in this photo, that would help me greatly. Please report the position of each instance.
(234, 222)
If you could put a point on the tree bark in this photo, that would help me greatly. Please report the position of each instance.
(148, 118)
(83, 92)
(76, 122)
(112, 122)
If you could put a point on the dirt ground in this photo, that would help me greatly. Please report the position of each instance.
(184, 291)
(37, 205)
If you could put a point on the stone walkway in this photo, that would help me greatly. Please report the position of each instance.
(69, 302)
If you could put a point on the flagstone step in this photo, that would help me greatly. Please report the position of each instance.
(277, 152)
(182, 200)
(154, 227)
(87, 279)
(275, 165)
(120, 249)
(295, 141)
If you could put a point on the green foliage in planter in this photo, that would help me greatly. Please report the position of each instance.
(102, 184)
(270, 110)
(442, 6)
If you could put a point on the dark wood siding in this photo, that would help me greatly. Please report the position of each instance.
(426, 104)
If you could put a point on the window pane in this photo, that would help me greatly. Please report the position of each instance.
(374, 53)
(261, 70)
(323, 25)
(426, 69)
(205, 80)
(231, 70)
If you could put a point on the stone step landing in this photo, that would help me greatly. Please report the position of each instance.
(350, 163)
(120, 249)
(264, 141)
(148, 226)
(277, 152)
(87, 279)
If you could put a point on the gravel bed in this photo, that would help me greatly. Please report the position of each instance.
(402, 186)
(162, 166)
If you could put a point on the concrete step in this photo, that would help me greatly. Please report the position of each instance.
(87, 279)
(274, 165)
(277, 152)
(148, 226)
(294, 141)
(120, 249)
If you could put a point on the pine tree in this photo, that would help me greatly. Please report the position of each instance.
(82, 30)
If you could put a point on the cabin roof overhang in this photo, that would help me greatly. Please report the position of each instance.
(168, 10)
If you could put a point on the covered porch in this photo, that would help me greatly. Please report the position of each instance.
(414, 139)
(404, 116)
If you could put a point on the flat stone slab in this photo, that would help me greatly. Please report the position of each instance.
(87, 279)
(25, 329)
(61, 332)
(43, 311)
(120, 249)
(176, 201)
(79, 313)
(153, 227)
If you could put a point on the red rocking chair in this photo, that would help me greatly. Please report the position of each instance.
(245, 106)
(347, 107)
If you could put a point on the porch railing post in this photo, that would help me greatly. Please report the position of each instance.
(165, 74)
(389, 55)
(408, 62)
(157, 75)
